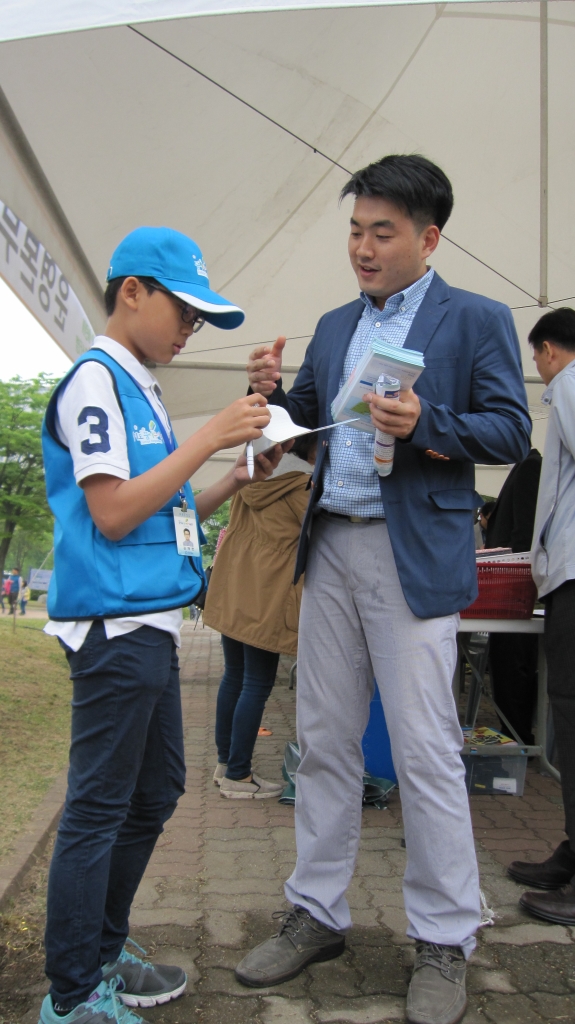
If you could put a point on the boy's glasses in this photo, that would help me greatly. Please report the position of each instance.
(188, 313)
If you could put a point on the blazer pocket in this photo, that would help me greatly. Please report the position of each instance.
(457, 498)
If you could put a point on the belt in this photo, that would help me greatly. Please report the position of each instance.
(350, 519)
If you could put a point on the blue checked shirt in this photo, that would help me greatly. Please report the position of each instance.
(350, 479)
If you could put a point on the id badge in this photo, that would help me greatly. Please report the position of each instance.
(186, 532)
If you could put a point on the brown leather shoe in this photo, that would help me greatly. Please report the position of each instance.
(553, 873)
(557, 906)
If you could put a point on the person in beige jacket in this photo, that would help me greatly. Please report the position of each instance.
(253, 602)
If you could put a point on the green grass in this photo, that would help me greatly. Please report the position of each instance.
(35, 694)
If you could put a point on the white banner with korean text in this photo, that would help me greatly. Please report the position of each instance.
(28, 268)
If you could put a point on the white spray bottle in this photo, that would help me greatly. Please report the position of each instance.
(384, 448)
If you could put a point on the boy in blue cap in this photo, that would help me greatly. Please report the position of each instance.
(118, 486)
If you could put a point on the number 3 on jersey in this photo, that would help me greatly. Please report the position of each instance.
(97, 421)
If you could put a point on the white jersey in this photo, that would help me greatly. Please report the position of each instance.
(92, 388)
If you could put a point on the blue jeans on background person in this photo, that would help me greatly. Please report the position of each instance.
(126, 774)
(23, 607)
(248, 679)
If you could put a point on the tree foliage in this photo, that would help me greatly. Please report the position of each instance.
(211, 527)
(22, 488)
(30, 548)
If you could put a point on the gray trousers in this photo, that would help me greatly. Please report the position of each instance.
(354, 624)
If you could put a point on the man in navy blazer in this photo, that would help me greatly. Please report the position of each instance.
(390, 562)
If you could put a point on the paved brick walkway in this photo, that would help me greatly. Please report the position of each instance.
(217, 875)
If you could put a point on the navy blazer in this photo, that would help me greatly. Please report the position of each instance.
(473, 409)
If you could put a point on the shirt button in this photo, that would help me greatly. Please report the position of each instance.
(348, 444)
(340, 483)
(378, 324)
(402, 309)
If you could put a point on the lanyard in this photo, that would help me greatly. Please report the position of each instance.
(168, 439)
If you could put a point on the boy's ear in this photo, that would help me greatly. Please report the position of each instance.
(130, 292)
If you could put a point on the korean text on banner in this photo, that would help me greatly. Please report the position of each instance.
(28, 268)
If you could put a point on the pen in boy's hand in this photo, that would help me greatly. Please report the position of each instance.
(250, 458)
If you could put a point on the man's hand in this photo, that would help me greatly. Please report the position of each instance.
(393, 417)
(264, 466)
(264, 367)
(241, 421)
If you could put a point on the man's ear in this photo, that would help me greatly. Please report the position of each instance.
(430, 237)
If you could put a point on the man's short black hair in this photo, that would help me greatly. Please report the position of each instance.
(113, 287)
(414, 184)
(558, 326)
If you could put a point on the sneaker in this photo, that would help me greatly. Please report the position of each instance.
(437, 990)
(257, 789)
(301, 940)
(144, 984)
(102, 1007)
(219, 773)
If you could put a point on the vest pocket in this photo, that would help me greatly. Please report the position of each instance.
(151, 568)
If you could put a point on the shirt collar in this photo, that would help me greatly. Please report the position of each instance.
(408, 299)
(128, 362)
(547, 395)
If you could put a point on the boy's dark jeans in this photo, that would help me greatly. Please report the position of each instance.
(560, 653)
(248, 679)
(126, 773)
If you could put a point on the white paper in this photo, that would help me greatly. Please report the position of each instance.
(505, 785)
(281, 428)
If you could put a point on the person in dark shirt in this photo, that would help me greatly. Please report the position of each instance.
(513, 656)
(483, 520)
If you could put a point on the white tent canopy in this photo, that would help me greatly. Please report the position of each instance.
(239, 125)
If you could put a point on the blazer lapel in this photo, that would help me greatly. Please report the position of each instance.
(339, 346)
(429, 315)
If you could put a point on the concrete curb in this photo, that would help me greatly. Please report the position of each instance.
(32, 842)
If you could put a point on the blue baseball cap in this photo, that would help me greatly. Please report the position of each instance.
(176, 262)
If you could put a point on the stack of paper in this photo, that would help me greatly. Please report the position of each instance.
(402, 363)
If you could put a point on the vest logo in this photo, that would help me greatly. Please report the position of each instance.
(200, 267)
(147, 435)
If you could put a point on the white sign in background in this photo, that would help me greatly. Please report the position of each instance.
(39, 579)
(38, 281)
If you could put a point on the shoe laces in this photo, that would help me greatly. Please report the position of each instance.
(113, 1007)
(126, 957)
(448, 959)
(291, 921)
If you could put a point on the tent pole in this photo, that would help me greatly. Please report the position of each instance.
(543, 154)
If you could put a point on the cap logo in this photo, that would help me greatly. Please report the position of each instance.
(200, 266)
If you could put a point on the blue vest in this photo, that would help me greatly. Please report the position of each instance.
(95, 577)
